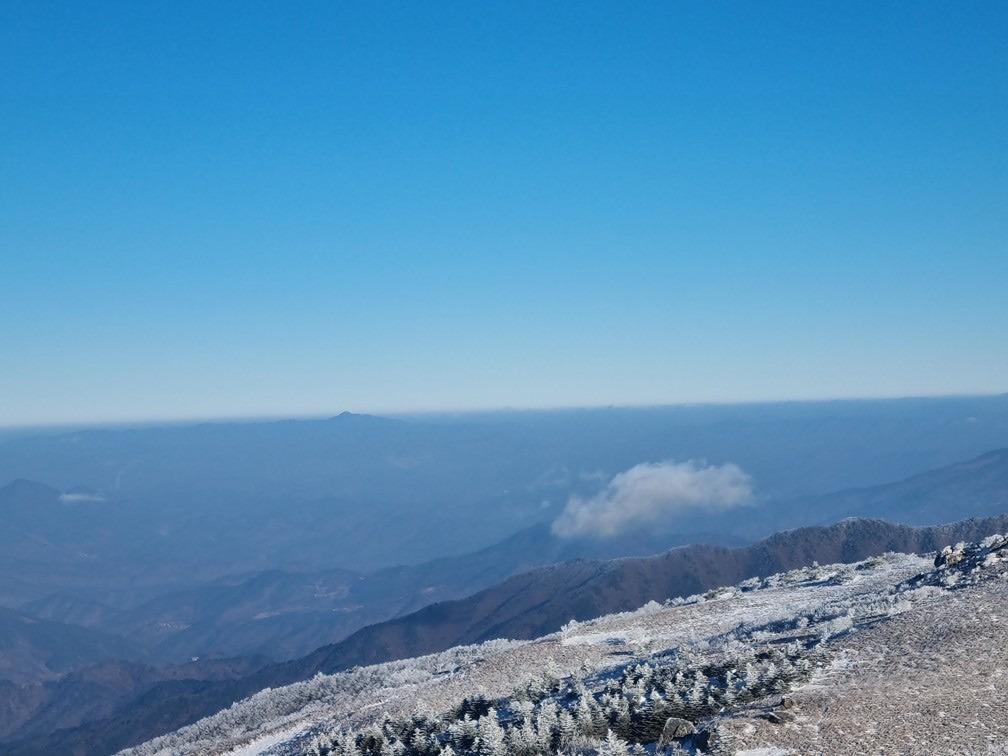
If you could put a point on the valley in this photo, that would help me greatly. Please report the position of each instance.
(108, 639)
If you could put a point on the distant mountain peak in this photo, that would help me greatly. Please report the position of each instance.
(346, 416)
(27, 492)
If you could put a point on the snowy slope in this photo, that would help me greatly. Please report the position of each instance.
(890, 655)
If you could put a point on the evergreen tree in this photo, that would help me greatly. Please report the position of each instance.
(613, 746)
(491, 736)
(567, 729)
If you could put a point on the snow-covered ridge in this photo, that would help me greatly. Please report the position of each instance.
(724, 672)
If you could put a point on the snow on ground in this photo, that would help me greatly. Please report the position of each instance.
(909, 665)
(930, 681)
(264, 743)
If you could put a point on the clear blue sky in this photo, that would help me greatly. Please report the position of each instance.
(226, 209)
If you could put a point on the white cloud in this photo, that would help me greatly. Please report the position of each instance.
(72, 497)
(651, 492)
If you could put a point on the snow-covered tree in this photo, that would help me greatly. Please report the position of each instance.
(613, 746)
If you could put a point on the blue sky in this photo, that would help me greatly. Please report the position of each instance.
(259, 209)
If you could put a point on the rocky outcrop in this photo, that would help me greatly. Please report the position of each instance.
(675, 728)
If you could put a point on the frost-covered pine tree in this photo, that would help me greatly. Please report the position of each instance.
(613, 745)
(567, 729)
(730, 681)
(547, 725)
(522, 740)
(769, 675)
(491, 736)
(319, 745)
(750, 680)
(345, 744)
(587, 711)
(463, 732)
(697, 697)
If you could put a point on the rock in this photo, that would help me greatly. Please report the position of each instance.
(715, 742)
(950, 555)
(786, 702)
(778, 717)
(675, 728)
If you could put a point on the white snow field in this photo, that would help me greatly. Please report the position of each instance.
(892, 655)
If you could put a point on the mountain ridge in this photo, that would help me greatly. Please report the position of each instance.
(526, 606)
(897, 652)
(288, 613)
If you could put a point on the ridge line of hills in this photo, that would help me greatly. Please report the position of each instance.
(896, 652)
(284, 614)
(525, 606)
(98, 693)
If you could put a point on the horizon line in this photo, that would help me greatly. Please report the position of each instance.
(448, 412)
